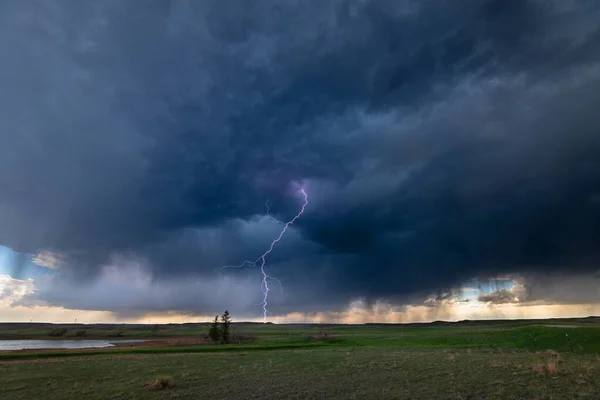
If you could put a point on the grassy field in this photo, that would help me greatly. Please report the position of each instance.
(469, 360)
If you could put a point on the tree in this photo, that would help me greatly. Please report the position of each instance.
(214, 332)
(225, 322)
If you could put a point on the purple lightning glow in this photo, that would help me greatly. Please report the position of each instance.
(264, 285)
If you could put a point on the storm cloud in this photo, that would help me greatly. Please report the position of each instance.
(436, 140)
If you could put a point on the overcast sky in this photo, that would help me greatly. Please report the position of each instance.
(444, 147)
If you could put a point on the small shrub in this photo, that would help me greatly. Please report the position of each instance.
(57, 332)
(162, 383)
(80, 333)
(116, 333)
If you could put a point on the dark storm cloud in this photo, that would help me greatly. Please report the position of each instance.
(563, 287)
(437, 140)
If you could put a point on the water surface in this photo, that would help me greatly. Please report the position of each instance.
(59, 344)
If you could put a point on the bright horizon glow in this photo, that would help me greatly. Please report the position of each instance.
(355, 313)
(43, 314)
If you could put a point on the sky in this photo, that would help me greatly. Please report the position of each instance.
(449, 151)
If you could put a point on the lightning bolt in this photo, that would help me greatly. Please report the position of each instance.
(272, 218)
(264, 285)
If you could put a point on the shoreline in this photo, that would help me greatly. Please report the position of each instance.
(115, 344)
(77, 338)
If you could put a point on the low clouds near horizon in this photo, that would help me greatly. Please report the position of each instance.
(437, 142)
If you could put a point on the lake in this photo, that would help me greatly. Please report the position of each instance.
(59, 344)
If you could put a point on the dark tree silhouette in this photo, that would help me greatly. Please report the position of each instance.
(225, 322)
(214, 333)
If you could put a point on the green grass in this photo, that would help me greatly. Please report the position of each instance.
(492, 359)
(336, 373)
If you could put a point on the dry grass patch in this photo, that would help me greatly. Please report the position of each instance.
(549, 368)
(162, 383)
(551, 353)
(552, 368)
